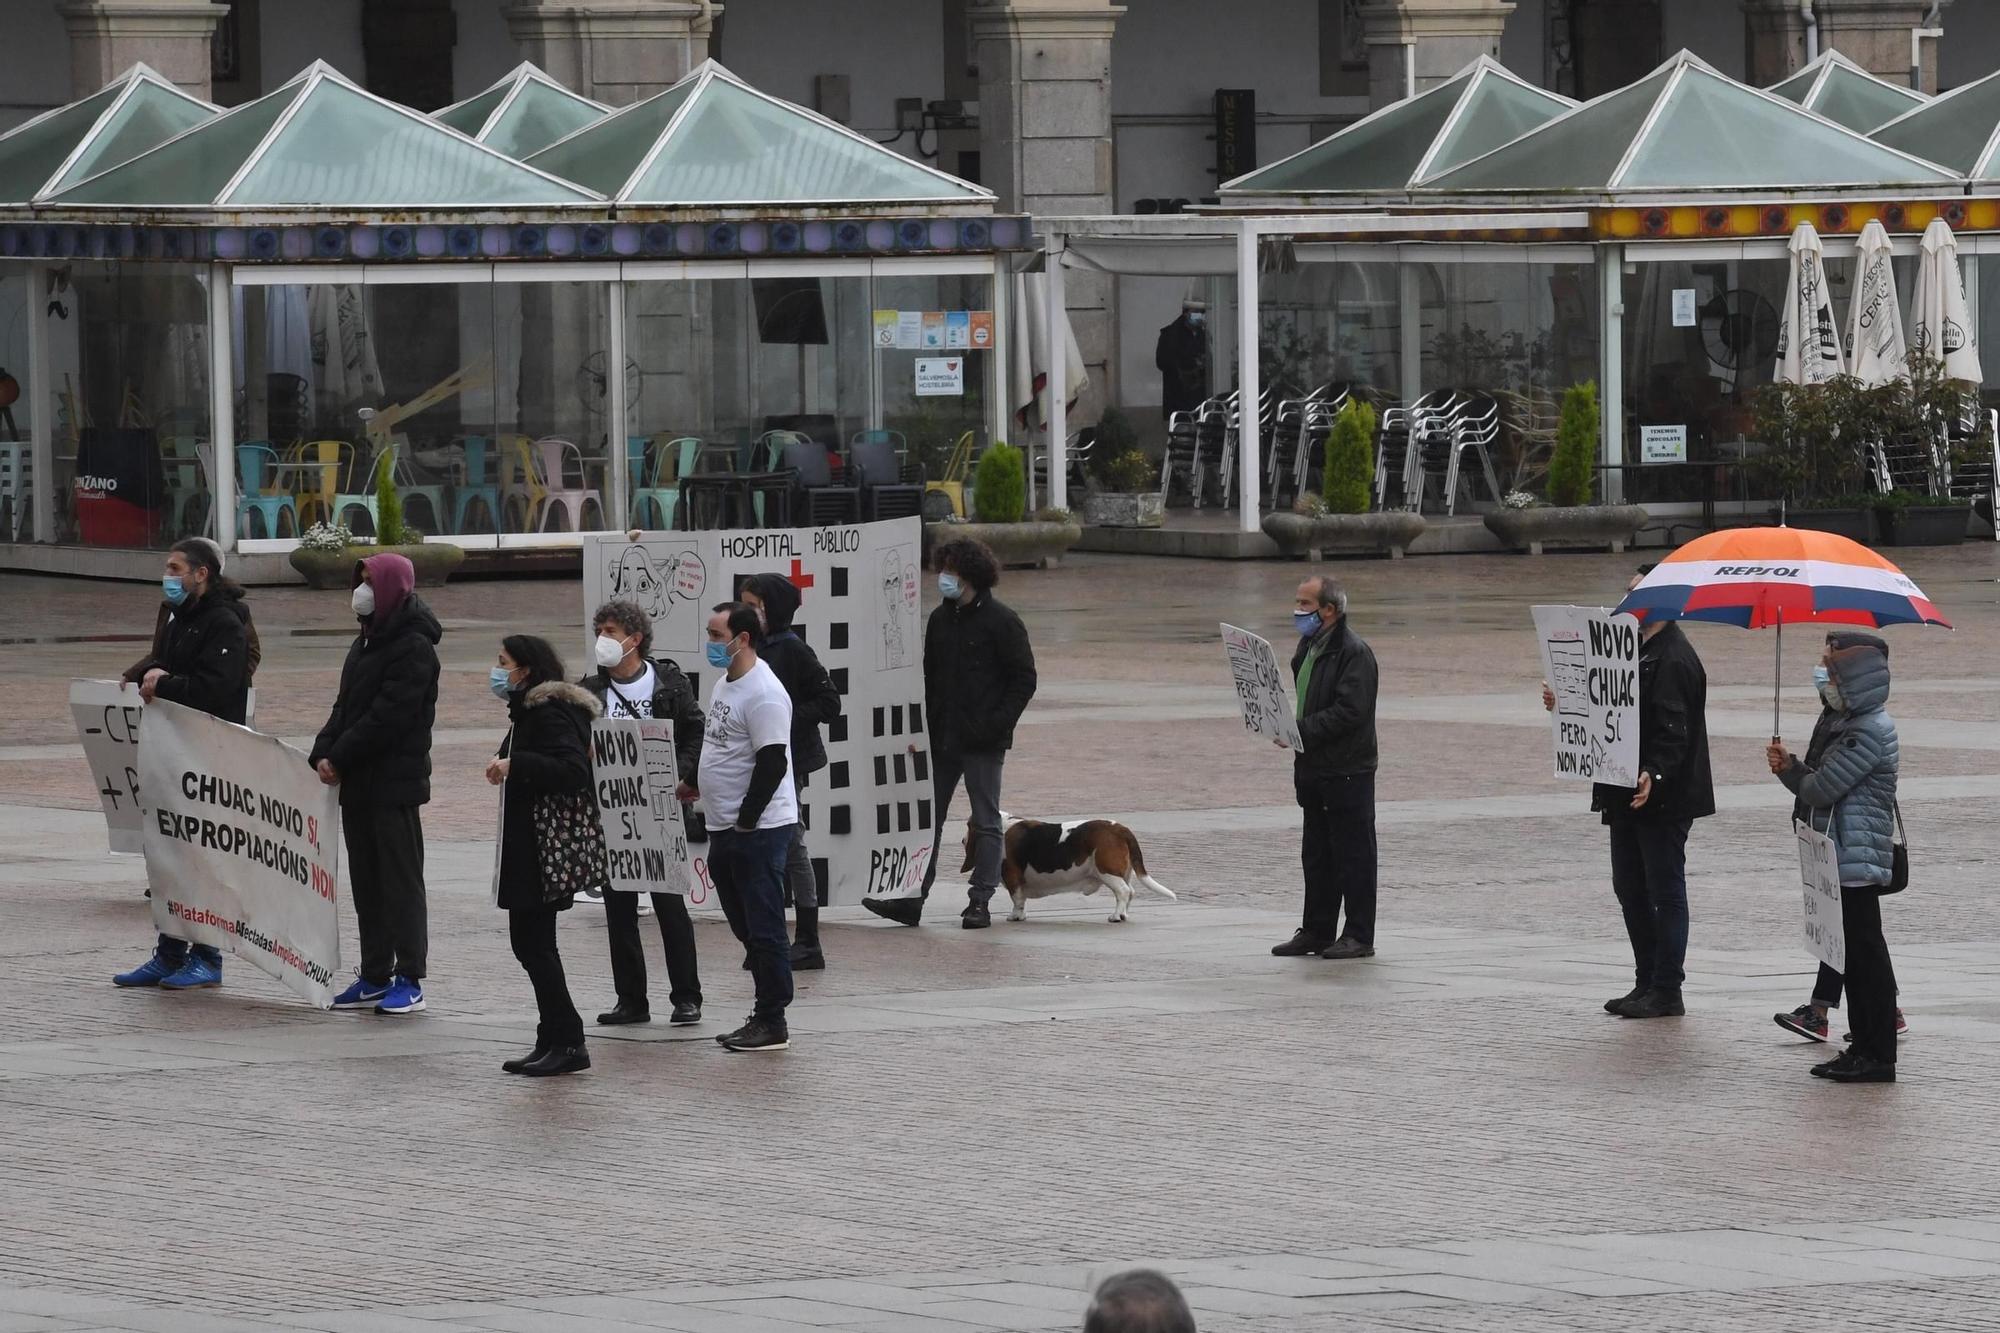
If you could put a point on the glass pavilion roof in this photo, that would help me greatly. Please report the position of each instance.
(114, 124)
(523, 113)
(1961, 129)
(1847, 94)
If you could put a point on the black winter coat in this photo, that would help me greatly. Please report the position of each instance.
(205, 651)
(378, 737)
(228, 594)
(1337, 714)
(673, 701)
(979, 675)
(814, 700)
(548, 753)
(1673, 736)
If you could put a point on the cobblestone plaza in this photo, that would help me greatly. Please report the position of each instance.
(972, 1127)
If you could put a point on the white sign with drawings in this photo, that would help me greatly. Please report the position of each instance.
(1819, 874)
(642, 853)
(107, 714)
(869, 816)
(1590, 659)
(1260, 686)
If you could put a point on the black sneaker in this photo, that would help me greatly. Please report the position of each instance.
(1654, 1004)
(1861, 1069)
(685, 1015)
(1805, 1020)
(624, 1013)
(1612, 1006)
(902, 911)
(756, 1035)
(1841, 1061)
(1298, 946)
(975, 917)
(1347, 947)
(808, 958)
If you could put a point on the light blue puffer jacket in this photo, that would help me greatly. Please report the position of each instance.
(1854, 783)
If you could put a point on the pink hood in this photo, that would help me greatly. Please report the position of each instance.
(393, 577)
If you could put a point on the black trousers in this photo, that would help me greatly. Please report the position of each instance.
(385, 874)
(532, 931)
(1338, 854)
(1871, 978)
(628, 948)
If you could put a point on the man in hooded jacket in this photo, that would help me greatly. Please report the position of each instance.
(815, 702)
(376, 747)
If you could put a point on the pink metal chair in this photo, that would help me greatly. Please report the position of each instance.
(559, 468)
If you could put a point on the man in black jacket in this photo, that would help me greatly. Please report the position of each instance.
(201, 660)
(1649, 823)
(376, 747)
(979, 674)
(1333, 776)
(815, 702)
(631, 682)
(1181, 357)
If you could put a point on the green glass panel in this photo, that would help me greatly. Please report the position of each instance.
(1952, 131)
(1851, 98)
(1497, 111)
(604, 156)
(193, 168)
(538, 117)
(1379, 153)
(1578, 152)
(151, 116)
(1715, 133)
(31, 154)
(343, 147)
(469, 116)
(1796, 88)
(736, 147)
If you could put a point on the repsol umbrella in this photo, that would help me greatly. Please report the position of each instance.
(1759, 578)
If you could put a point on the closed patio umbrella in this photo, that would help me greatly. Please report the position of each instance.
(1876, 351)
(1940, 326)
(1808, 346)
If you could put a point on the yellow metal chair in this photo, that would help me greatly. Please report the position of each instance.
(952, 484)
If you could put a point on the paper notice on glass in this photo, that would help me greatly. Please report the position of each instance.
(940, 377)
(957, 329)
(1684, 317)
(885, 329)
(1663, 444)
(933, 330)
(909, 330)
(982, 329)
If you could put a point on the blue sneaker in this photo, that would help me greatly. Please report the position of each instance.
(404, 997)
(197, 973)
(363, 994)
(149, 973)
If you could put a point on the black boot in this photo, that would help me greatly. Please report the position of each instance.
(806, 956)
(1862, 1069)
(519, 1063)
(1654, 1004)
(975, 917)
(902, 911)
(558, 1060)
(1613, 1006)
(624, 1012)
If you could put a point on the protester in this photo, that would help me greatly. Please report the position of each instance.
(979, 674)
(1809, 1020)
(1138, 1301)
(1333, 776)
(815, 702)
(376, 747)
(550, 843)
(631, 682)
(1850, 795)
(200, 660)
(745, 788)
(1649, 823)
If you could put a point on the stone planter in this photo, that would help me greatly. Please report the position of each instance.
(1125, 509)
(1566, 527)
(1853, 523)
(1923, 525)
(1015, 545)
(1301, 537)
(433, 561)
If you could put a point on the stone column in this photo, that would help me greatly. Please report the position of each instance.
(1045, 136)
(617, 51)
(1446, 34)
(1874, 34)
(107, 37)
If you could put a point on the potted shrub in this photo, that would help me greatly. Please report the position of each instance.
(1572, 518)
(1000, 501)
(326, 553)
(1906, 518)
(1125, 491)
(1337, 519)
(1818, 465)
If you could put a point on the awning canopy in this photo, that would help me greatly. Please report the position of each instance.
(1961, 129)
(1847, 94)
(522, 113)
(58, 148)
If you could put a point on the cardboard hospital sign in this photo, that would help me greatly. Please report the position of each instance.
(107, 716)
(1819, 874)
(242, 846)
(1260, 686)
(1590, 659)
(868, 814)
(645, 841)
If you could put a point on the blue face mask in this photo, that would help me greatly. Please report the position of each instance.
(1306, 623)
(174, 589)
(1821, 677)
(719, 655)
(500, 681)
(950, 587)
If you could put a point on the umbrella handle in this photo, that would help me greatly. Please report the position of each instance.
(1777, 674)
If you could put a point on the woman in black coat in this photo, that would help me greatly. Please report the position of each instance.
(546, 754)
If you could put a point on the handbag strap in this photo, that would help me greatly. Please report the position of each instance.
(1902, 834)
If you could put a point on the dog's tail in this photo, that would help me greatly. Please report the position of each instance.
(1139, 875)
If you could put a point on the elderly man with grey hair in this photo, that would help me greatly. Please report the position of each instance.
(1138, 1301)
(1333, 776)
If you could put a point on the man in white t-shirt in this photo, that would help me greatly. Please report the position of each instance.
(745, 788)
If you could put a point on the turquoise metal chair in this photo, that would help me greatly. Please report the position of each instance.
(662, 493)
(409, 488)
(254, 463)
(472, 480)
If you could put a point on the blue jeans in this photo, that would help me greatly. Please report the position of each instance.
(174, 949)
(749, 874)
(1649, 875)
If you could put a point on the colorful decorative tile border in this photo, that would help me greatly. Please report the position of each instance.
(337, 243)
(1745, 221)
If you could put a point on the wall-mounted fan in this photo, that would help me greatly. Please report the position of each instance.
(592, 385)
(1739, 329)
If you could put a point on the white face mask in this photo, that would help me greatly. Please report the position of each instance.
(609, 651)
(363, 600)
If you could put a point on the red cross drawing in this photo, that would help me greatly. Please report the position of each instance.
(799, 578)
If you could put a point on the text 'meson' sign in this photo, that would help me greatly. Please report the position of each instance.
(1235, 132)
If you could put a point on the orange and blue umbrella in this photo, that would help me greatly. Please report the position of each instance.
(1755, 578)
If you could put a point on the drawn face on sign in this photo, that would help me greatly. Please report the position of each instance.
(656, 586)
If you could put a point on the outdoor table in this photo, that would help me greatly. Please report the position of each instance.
(728, 499)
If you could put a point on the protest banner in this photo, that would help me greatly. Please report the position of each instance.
(656, 746)
(1590, 659)
(1819, 873)
(1260, 686)
(639, 844)
(242, 846)
(107, 714)
(868, 814)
